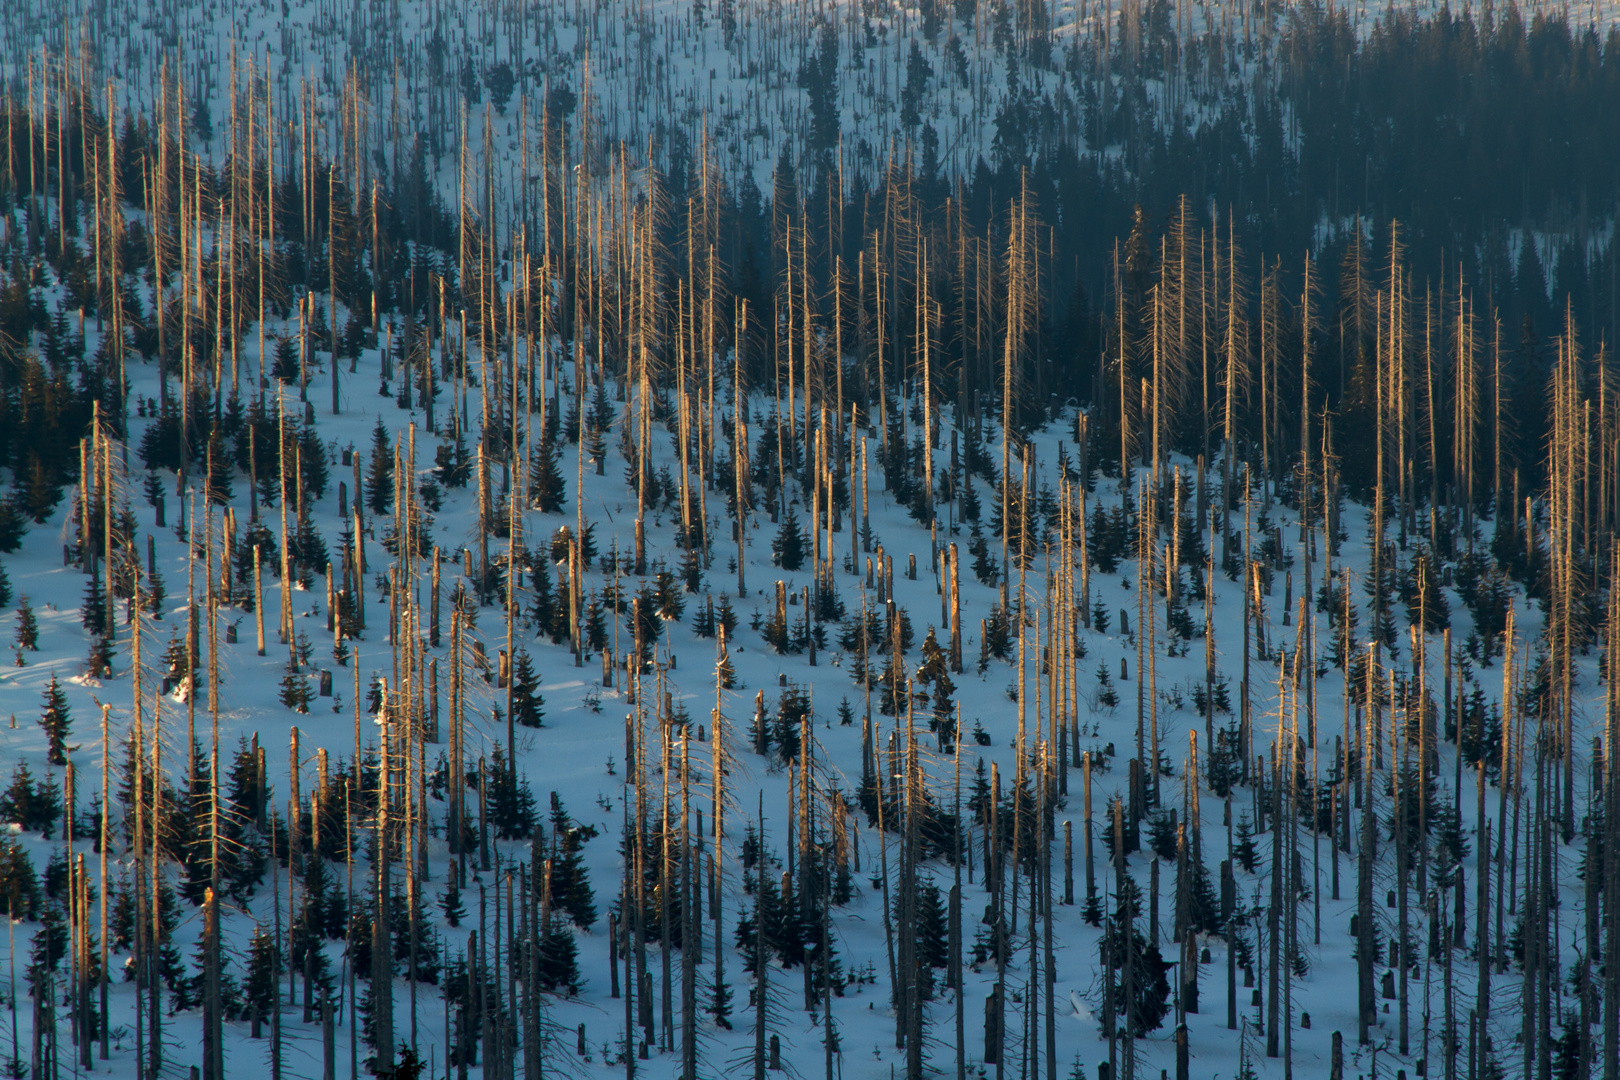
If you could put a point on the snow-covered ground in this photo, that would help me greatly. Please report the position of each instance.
(579, 754)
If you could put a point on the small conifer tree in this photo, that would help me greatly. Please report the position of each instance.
(450, 903)
(570, 883)
(528, 707)
(259, 989)
(57, 721)
(548, 492)
(380, 474)
(93, 609)
(1245, 851)
(788, 546)
(285, 365)
(27, 627)
(294, 689)
(19, 884)
(99, 665)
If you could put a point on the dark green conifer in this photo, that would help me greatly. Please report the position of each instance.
(787, 549)
(57, 721)
(570, 883)
(380, 472)
(528, 707)
(548, 491)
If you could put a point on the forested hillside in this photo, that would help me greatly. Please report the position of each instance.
(518, 570)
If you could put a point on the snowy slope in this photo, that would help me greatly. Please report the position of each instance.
(574, 755)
